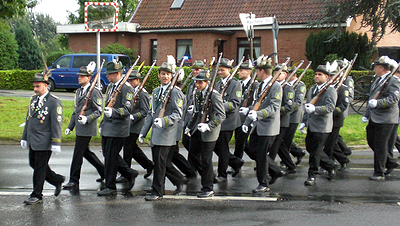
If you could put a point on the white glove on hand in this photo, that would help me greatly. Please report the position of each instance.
(158, 122)
(187, 131)
(310, 108)
(302, 128)
(24, 144)
(56, 149)
(108, 111)
(132, 118)
(203, 127)
(82, 119)
(67, 131)
(245, 129)
(243, 110)
(373, 103)
(190, 109)
(364, 119)
(141, 140)
(100, 130)
(252, 115)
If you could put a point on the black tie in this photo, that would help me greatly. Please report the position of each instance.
(160, 93)
(37, 102)
(376, 83)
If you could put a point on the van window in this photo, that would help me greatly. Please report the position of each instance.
(125, 61)
(63, 62)
(80, 61)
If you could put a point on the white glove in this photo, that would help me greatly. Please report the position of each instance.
(373, 103)
(158, 122)
(67, 131)
(310, 108)
(364, 119)
(100, 130)
(82, 119)
(141, 138)
(302, 128)
(190, 109)
(108, 111)
(243, 110)
(245, 129)
(187, 131)
(203, 127)
(56, 149)
(252, 115)
(24, 144)
(132, 118)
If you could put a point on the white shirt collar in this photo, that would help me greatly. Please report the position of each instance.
(246, 81)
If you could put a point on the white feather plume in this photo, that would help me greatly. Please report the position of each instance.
(91, 66)
(181, 75)
(331, 67)
(345, 62)
(393, 64)
(260, 59)
(171, 61)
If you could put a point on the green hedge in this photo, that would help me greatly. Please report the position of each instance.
(17, 79)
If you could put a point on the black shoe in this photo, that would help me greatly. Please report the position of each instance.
(131, 181)
(33, 201)
(331, 174)
(152, 197)
(219, 179)
(70, 185)
(310, 181)
(178, 189)
(261, 188)
(299, 158)
(107, 192)
(275, 177)
(206, 194)
(377, 178)
(343, 166)
(388, 171)
(148, 173)
(58, 186)
(290, 171)
(100, 179)
(237, 167)
(121, 179)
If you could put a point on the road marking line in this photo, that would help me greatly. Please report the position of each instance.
(233, 198)
(22, 193)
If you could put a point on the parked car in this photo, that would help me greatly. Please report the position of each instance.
(66, 68)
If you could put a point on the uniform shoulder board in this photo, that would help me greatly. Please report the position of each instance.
(345, 85)
(215, 91)
(144, 90)
(128, 84)
(56, 97)
(396, 76)
(98, 88)
(234, 78)
(178, 88)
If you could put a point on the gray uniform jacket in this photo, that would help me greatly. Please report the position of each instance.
(139, 113)
(298, 107)
(181, 122)
(118, 124)
(268, 115)
(350, 85)
(216, 117)
(232, 98)
(342, 104)
(165, 136)
(43, 125)
(287, 105)
(386, 111)
(93, 112)
(189, 101)
(321, 121)
(246, 94)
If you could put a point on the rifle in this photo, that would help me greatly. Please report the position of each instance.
(167, 97)
(231, 76)
(385, 84)
(250, 89)
(327, 84)
(207, 101)
(186, 80)
(89, 94)
(121, 84)
(302, 75)
(269, 85)
(347, 72)
(291, 74)
(141, 86)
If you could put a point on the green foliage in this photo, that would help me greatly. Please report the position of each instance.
(63, 41)
(323, 45)
(8, 48)
(119, 48)
(17, 79)
(9, 9)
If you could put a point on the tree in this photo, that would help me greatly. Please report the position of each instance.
(15, 8)
(379, 15)
(8, 48)
(119, 48)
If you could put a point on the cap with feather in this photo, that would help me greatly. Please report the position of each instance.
(87, 70)
(263, 62)
(168, 66)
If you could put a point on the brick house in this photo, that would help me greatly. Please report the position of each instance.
(201, 29)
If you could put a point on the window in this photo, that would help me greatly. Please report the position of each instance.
(184, 48)
(63, 62)
(80, 61)
(244, 48)
(177, 4)
(153, 50)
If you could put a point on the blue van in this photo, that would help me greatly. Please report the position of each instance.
(66, 68)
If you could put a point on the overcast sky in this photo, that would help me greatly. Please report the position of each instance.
(57, 9)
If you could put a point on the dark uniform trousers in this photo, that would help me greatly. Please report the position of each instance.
(342, 147)
(132, 150)
(162, 158)
(181, 162)
(288, 140)
(331, 141)
(392, 142)
(314, 144)
(39, 161)
(225, 158)
(378, 136)
(278, 147)
(241, 144)
(341, 154)
(81, 151)
(201, 152)
(111, 147)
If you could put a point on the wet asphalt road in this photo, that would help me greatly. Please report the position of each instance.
(350, 198)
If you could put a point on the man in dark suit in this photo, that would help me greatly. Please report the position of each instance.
(205, 134)
(382, 115)
(319, 122)
(85, 126)
(42, 136)
(115, 128)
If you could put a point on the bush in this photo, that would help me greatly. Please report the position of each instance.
(119, 48)
(52, 57)
(8, 48)
(17, 79)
